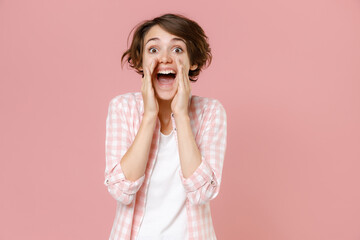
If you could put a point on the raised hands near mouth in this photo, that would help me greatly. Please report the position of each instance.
(179, 104)
(151, 105)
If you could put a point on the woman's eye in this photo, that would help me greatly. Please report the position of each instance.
(150, 50)
(179, 49)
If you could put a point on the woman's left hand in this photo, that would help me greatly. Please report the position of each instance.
(179, 104)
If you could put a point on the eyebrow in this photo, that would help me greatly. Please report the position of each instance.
(172, 40)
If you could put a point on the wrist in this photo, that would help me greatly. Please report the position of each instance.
(181, 116)
(149, 117)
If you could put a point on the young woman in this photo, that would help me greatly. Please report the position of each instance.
(165, 147)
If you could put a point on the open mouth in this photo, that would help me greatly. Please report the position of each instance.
(166, 78)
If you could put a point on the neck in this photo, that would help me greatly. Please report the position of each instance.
(164, 114)
(164, 108)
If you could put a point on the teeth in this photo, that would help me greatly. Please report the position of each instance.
(166, 71)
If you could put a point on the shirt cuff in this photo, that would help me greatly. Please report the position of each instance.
(127, 186)
(202, 175)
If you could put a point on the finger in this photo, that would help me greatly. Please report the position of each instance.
(178, 74)
(181, 69)
(186, 80)
(147, 69)
(148, 75)
(152, 67)
(145, 81)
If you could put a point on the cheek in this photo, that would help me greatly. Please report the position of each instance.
(146, 60)
(185, 62)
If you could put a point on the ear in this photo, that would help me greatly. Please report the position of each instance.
(193, 67)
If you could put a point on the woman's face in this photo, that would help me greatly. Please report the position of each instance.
(165, 48)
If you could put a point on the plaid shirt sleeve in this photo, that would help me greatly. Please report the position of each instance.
(117, 143)
(204, 184)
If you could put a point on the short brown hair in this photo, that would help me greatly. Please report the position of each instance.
(197, 45)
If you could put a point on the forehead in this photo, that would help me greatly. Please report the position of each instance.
(156, 34)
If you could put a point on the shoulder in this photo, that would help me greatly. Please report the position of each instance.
(126, 97)
(131, 99)
(207, 105)
(209, 113)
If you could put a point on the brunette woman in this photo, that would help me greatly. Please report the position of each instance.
(165, 147)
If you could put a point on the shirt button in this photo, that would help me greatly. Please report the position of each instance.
(175, 129)
(212, 183)
(107, 180)
(172, 114)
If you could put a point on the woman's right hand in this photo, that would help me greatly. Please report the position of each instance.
(151, 105)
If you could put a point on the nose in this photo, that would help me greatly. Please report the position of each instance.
(165, 58)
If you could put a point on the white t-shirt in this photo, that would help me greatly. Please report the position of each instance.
(165, 211)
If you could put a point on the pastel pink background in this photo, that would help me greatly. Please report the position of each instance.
(287, 73)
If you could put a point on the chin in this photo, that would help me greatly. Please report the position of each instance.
(165, 95)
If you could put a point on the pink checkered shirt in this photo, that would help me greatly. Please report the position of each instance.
(209, 126)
